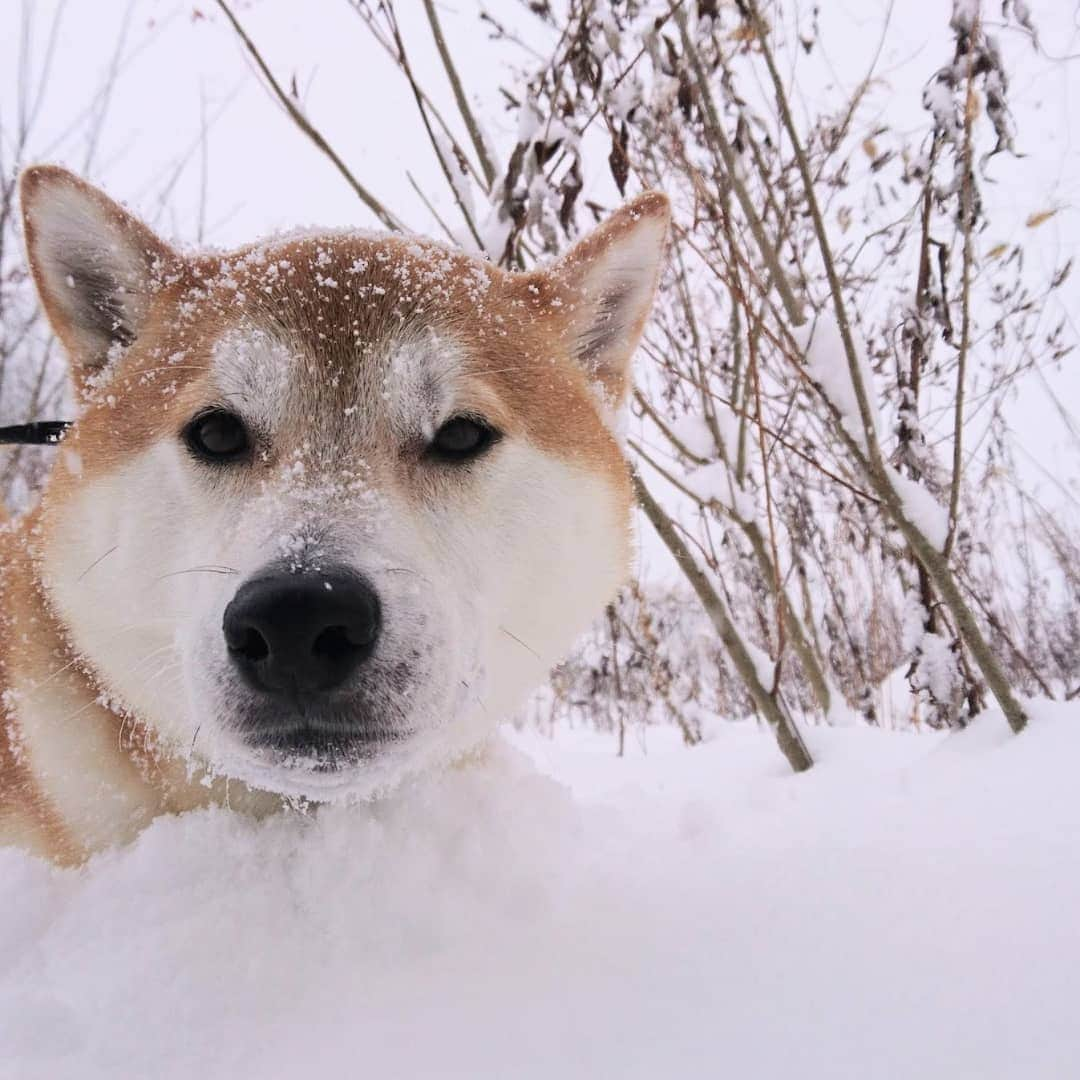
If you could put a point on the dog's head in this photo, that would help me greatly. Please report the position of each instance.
(333, 502)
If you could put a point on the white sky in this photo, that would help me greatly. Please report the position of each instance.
(261, 174)
(181, 59)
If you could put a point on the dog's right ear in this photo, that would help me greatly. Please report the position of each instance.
(95, 266)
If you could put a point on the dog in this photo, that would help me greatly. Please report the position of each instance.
(333, 503)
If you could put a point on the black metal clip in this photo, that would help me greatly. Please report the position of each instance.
(39, 433)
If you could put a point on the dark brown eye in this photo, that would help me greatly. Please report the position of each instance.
(217, 436)
(461, 438)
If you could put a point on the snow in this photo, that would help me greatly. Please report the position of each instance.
(965, 12)
(921, 508)
(551, 910)
(716, 483)
(462, 190)
(939, 99)
(827, 365)
(694, 433)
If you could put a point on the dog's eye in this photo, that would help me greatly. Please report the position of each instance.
(462, 437)
(217, 435)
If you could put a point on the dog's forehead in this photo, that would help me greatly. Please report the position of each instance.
(402, 382)
(345, 326)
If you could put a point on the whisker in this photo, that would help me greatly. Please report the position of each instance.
(99, 559)
(198, 570)
(475, 696)
(151, 655)
(403, 570)
(173, 367)
(79, 657)
(167, 668)
(81, 709)
(514, 637)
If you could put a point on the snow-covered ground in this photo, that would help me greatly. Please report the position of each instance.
(907, 909)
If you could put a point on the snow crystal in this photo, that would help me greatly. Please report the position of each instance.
(764, 665)
(936, 671)
(965, 12)
(625, 98)
(921, 508)
(913, 623)
(695, 434)
(827, 364)
(938, 99)
(715, 483)
(530, 117)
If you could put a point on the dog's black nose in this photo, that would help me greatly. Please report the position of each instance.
(292, 633)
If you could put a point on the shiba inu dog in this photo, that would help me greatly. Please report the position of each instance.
(332, 505)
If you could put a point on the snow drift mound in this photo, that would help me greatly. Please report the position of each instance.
(906, 909)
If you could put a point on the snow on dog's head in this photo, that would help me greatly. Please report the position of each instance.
(334, 502)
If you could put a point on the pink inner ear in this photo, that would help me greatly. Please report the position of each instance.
(614, 271)
(608, 326)
(93, 263)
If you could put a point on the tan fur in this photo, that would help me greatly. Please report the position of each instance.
(30, 642)
(334, 300)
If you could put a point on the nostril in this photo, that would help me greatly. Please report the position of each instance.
(250, 645)
(336, 643)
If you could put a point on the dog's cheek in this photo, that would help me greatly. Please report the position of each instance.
(112, 545)
(539, 545)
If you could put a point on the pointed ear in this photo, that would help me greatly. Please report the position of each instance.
(609, 280)
(95, 266)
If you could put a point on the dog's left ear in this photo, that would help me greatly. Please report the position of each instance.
(608, 281)
(95, 265)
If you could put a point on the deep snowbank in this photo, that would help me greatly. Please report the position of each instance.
(909, 908)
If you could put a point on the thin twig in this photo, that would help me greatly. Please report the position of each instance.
(459, 96)
(784, 728)
(966, 224)
(305, 125)
(778, 589)
(714, 132)
(406, 69)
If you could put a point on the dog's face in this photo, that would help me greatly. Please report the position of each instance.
(333, 503)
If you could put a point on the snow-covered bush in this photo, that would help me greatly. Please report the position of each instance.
(823, 388)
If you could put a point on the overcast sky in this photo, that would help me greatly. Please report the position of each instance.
(180, 62)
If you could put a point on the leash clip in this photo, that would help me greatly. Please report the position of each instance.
(38, 433)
